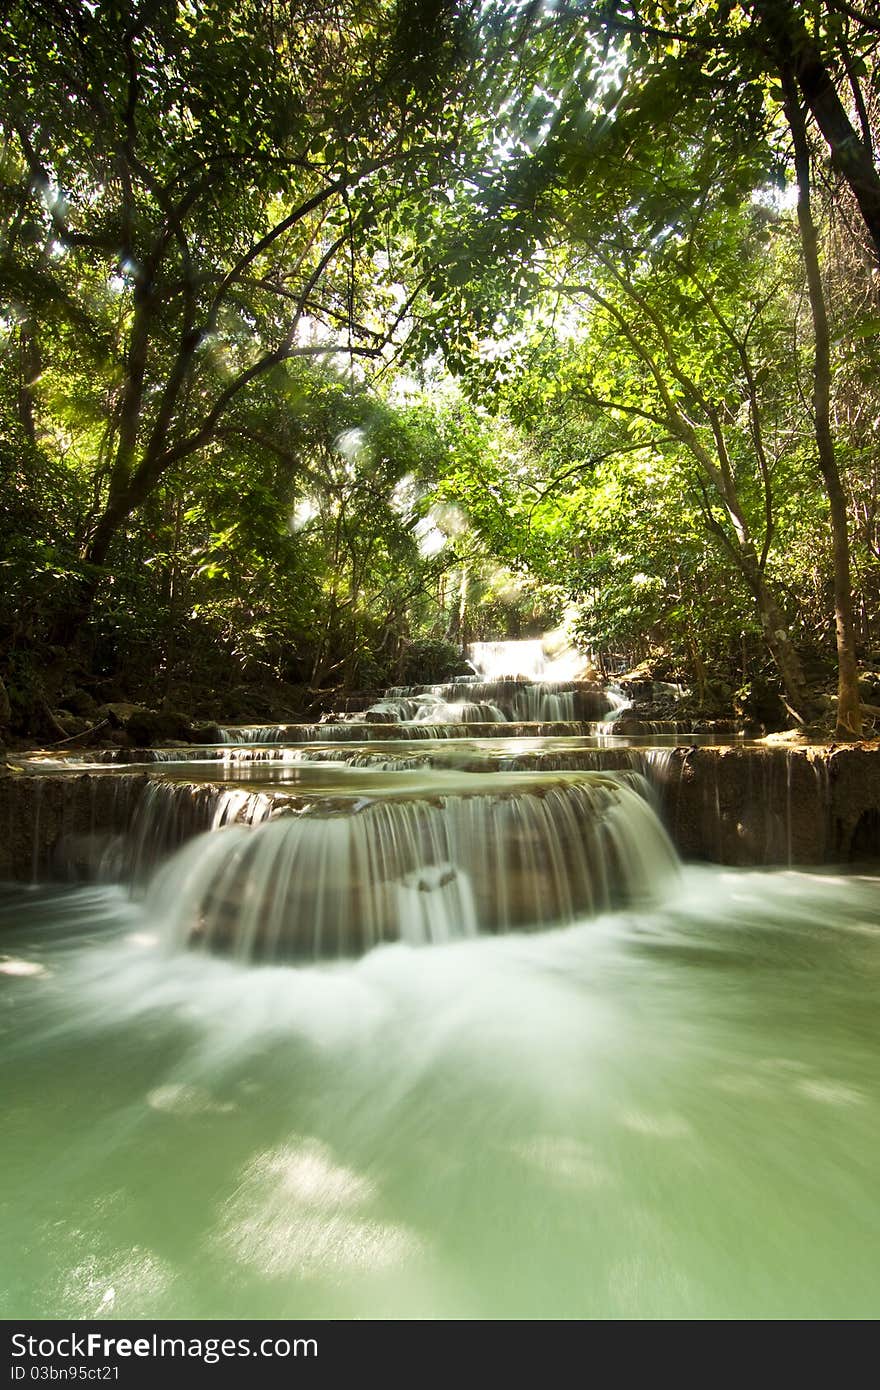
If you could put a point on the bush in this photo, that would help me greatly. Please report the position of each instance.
(432, 660)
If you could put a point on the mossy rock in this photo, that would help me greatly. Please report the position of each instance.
(80, 702)
(147, 727)
(206, 733)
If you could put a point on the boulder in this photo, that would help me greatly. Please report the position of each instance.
(147, 727)
(206, 733)
(80, 702)
(869, 687)
(117, 713)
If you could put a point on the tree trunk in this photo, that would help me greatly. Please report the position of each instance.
(30, 367)
(774, 625)
(173, 603)
(779, 642)
(122, 502)
(5, 707)
(798, 53)
(463, 608)
(849, 714)
(777, 637)
(699, 670)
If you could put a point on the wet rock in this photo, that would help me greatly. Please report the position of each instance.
(774, 805)
(41, 815)
(854, 772)
(206, 733)
(146, 727)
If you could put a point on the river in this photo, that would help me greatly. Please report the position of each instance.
(669, 1110)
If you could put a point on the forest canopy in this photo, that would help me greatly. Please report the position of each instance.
(333, 336)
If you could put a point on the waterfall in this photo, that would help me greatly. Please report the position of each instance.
(495, 660)
(618, 700)
(430, 707)
(507, 699)
(546, 658)
(419, 870)
(452, 723)
(515, 798)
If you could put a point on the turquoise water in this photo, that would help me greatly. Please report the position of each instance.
(669, 1112)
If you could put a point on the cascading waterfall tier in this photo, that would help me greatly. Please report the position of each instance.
(546, 658)
(388, 727)
(514, 682)
(421, 869)
(509, 799)
(507, 700)
(66, 819)
(538, 682)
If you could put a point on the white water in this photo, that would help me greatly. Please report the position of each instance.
(619, 701)
(518, 851)
(546, 658)
(429, 707)
(663, 1105)
(665, 1112)
(506, 700)
(451, 725)
(536, 681)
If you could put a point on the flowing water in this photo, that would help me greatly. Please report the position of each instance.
(320, 1061)
(664, 1112)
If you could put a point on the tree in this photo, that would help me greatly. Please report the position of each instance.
(849, 717)
(722, 48)
(196, 195)
(599, 182)
(681, 355)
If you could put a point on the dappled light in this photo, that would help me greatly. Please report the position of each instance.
(439, 660)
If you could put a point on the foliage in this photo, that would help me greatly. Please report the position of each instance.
(244, 251)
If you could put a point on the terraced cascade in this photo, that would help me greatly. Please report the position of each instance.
(511, 700)
(443, 1019)
(631, 1116)
(360, 730)
(514, 684)
(506, 853)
